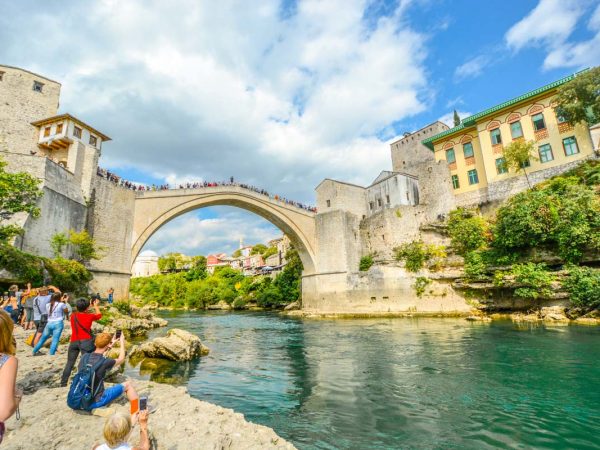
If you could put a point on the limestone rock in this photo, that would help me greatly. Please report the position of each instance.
(177, 345)
(587, 321)
(222, 305)
(478, 318)
(554, 313)
(292, 306)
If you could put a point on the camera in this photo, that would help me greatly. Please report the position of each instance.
(118, 334)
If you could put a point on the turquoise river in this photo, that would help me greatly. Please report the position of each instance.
(398, 383)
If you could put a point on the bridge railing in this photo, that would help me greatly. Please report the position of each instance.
(119, 181)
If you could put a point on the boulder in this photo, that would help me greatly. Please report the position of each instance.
(177, 345)
(222, 305)
(554, 313)
(292, 306)
(478, 318)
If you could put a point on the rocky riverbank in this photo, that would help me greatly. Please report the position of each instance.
(180, 421)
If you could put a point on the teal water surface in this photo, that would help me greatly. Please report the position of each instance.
(399, 383)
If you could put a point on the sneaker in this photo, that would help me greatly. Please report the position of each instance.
(103, 412)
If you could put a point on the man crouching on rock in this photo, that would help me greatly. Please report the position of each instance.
(104, 397)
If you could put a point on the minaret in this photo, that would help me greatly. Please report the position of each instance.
(241, 242)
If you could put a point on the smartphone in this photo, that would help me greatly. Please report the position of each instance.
(135, 406)
(118, 334)
(143, 403)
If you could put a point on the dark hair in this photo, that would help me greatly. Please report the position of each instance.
(82, 304)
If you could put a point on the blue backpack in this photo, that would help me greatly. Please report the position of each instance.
(81, 393)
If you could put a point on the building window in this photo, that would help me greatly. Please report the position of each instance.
(379, 202)
(450, 156)
(77, 132)
(560, 119)
(387, 199)
(37, 86)
(93, 140)
(516, 131)
(501, 166)
(468, 150)
(371, 204)
(59, 128)
(1, 76)
(328, 203)
(526, 164)
(538, 122)
(46, 131)
(570, 146)
(473, 178)
(495, 136)
(455, 183)
(545, 153)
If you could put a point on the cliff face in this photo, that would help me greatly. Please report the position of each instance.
(180, 421)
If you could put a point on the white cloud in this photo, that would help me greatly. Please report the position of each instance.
(471, 68)
(193, 234)
(550, 25)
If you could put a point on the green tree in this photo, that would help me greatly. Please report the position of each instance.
(534, 279)
(258, 249)
(58, 242)
(198, 269)
(84, 246)
(456, 119)
(583, 286)
(365, 263)
(518, 155)
(237, 253)
(468, 231)
(269, 252)
(19, 192)
(579, 99)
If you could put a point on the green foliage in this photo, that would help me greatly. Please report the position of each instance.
(239, 303)
(518, 154)
(468, 231)
(365, 263)
(23, 266)
(535, 279)
(269, 252)
(172, 262)
(237, 253)
(84, 246)
(579, 99)
(475, 266)
(416, 254)
(58, 242)
(420, 285)
(456, 119)
(178, 290)
(124, 307)
(583, 286)
(198, 269)
(561, 214)
(258, 249)
(19, 192)
(68, 275)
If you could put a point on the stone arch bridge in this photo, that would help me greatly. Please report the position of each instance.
(153, 209)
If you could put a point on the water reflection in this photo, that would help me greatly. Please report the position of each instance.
(399, 383)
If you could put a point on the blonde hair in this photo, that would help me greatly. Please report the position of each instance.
(117, 429)
(102, 340)
(7, 343)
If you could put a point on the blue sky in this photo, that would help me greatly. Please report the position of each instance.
(282, 94)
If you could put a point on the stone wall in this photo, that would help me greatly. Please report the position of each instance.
(408, 150)
(20, 105)
(111, 224)
(336, 195)
(62, 205)
(381, 290)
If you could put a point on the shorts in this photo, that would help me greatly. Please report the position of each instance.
(29, 314)
(108, 396)
(39, 326)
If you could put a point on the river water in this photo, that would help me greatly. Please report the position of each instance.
(398, 383)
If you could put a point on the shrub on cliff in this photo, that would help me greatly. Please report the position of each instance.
(562, 215)
(535, 280)
(468, 231)
(583, 286)
(69, 275)
(365, 263)
(417, 254)
(23, 266)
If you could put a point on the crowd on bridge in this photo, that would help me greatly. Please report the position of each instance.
(199, 185)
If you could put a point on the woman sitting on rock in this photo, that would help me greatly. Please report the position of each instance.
(117, 430)
(10, 395)
(56, 311)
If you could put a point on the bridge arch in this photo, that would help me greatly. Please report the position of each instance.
(153, 209)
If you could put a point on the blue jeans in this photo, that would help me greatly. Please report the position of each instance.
(108, 396)
(53, 329)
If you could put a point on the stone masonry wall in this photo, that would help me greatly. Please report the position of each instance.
(20, 105)
(111, 224)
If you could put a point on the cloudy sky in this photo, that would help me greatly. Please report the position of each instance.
(283, 93)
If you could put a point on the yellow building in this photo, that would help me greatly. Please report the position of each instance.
(474, 149)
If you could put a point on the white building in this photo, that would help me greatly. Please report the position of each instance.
(145, 265)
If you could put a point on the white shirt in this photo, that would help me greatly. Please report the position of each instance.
(57, 312)
(124, 446)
